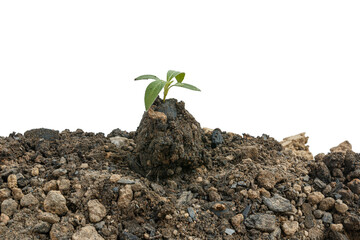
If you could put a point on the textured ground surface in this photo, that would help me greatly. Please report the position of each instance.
(77, 185)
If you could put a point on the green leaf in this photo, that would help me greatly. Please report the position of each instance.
(185, 85)
(178, 75)
(152, 91)
(148, 76)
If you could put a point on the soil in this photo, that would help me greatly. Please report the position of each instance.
(172, 179)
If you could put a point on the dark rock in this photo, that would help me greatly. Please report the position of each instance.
(309, 217)
(354, 186)
(327, 218)
(332, 235)
(128, 236)
(42, 133)
(42, 227)
(262, 222)
(277, 203)
(320, 184)
(216, 138)
(352, 222)
(246, 211)
(192, 213)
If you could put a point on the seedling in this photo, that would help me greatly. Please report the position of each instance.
(155, 87)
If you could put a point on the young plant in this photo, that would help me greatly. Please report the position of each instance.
(154, 88)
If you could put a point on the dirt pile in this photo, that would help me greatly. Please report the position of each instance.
(78, 185)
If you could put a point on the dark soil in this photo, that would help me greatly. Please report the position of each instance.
(171, 179)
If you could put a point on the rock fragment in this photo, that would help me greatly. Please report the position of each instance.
(278, 204)
(87, 233)
(262, 222)
(97, 211)
(55, 202)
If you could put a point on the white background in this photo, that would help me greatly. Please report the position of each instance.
(274, 67)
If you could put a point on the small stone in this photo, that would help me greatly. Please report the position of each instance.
(4, 219)
(12, 181)
(340, 206)
(218, 207)
(125, 196)
(34, 171)
(236, 221)
(229, 231)
(297, 187)
(29, 200)
(9, 207)
(114, 178)
(216, 138)
(84, 165)
(51, 185)
(192, 213)
(59, 172)
(264, 192)
(121, 141)
(290, 227)
(266, 179)
(48, 217)
(126, 181)
(61, 231)
(320, 184)
(354, 186)
(244, 193)
(327, 218)
(199, 179)
(278, 204)
(87, 233)
(307, 189)
(214, 196)
(341, 148)
(327, 204)
(315, 197)
(17, 193)
(55, 202)
(97, 211)
(336, 227)
(253, 194)
(64, 184)
(42, 227)
(4, 194)
(318, 213)
(262, 222)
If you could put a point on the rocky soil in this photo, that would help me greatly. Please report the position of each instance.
(78, 185)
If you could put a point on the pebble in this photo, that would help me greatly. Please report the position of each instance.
(87, 233)
(290, 227)
(50, 185)
(340, 206)
(278, 204)
(125, 196)
(4, 219)
(320, 184)
(97, 211)
(59, 172)
(34, 171)
(216, 138)
(214, 196)
(192, 213)
(327, 204)
(327, 217)
(114, 178)
(354, 186)
(12, 181)
(318, 213)
(29, 200)
(9, 207)
(49, 217)
(84, 165)
(125, 181)
(315, 197)
(4, 194)
(63, 184)
(263, 222)
(253, 194)
(55, 202)
(42, 227)
(336, 227)
(266, 179)
(229, 231)
(307, 189)
(236, 221)
(297, 187)
(17, 193)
